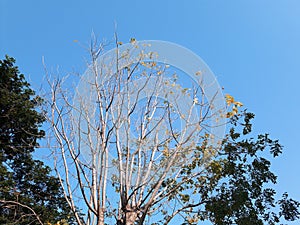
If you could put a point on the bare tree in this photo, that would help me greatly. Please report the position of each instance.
(122, 139)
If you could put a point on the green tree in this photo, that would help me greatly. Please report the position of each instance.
(125, 161)
(237, 186)
(29, 194)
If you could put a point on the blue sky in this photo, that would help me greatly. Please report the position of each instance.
(253, 47)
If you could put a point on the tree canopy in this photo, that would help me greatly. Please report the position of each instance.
(120, 157)
(29, 194)
(127, 138)
(238, 185)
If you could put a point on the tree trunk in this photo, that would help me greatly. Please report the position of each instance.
(101, 216)
(129, 216)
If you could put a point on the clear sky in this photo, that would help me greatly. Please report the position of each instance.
(252, 46)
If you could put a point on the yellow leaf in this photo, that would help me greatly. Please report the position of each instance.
(229, 99)
(132, 40)
(198, 73)
(229, 114)
(235, 110)
(238, 104)
(166, 152)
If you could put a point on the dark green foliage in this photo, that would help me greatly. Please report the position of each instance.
(19, 121)
(237, 186)
(24, 180)
(242, 195)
